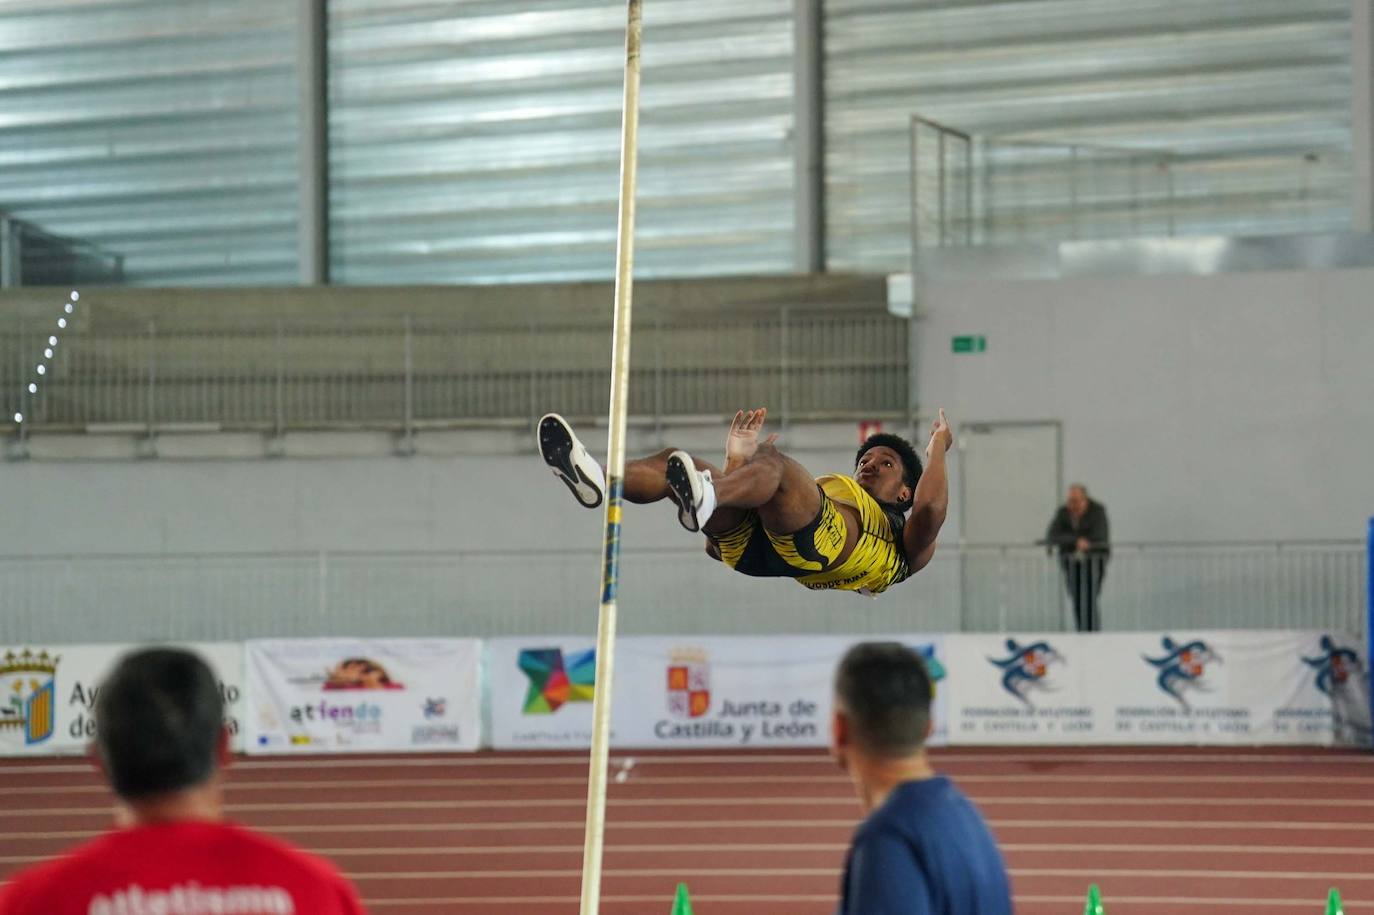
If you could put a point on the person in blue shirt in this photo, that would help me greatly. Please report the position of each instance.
(923, 849)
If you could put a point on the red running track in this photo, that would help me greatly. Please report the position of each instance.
(1164, 832)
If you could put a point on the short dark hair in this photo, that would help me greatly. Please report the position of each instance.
(885, 692)
(158, 722)
(911, 464)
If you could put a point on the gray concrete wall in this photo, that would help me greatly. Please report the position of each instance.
(1235, 406)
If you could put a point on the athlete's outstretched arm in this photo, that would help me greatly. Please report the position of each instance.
(931, 499)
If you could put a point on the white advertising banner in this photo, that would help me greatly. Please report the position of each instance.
(743, 691)
(1019, 689)
(540, 691)
(48, 693)
(363, 695)
(1225, 687)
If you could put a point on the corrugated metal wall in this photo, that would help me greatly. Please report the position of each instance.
(1245, 90)
(480, 141)
(164, 130)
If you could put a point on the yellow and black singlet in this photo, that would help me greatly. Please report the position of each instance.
(811, 555)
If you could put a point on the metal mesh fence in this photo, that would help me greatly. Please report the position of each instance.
(979, 589)
(402, 372)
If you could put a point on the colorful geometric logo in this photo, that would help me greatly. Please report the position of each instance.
(28, 695)
(1334, 666)
(555, 680)
(436, 708)
(689, 683)
(933, 666)
(1025, 667)
(1182, 667)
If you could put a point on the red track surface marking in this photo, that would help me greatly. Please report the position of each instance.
(1163, 832)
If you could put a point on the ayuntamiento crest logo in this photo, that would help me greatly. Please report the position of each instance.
(1183, 667)
(1334, 666)
(689, 683)
(1025, 667)
(28, 695)
(555, 680)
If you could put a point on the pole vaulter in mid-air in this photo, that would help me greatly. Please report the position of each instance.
(764, 514)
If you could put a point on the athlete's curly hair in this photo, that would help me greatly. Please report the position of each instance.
(911, 464)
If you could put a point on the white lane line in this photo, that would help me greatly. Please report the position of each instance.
(513, 826)
(837, 848)
(1094, 873)
(1353, 876)
(1246, 826)
(563, 873)
(1194, 903)
(1191, 901)
(848, 824)
(1253, 801)
(581, 781)
(1173, 779)
(1136, 849)
(732, 847)
(572, 900)
(794, 801)
(818, 758)
(332, 785)
(784, 847)
(471, 760)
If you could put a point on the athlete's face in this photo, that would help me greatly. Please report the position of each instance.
(879, 472)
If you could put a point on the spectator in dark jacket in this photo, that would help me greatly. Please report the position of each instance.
(1080, 532)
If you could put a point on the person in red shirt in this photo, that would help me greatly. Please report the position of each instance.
(161, 744)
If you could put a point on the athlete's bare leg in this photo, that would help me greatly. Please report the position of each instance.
(756, 476)
(646, 481)
(782, 490)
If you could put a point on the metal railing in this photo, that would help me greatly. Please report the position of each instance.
(976, 190)
(404, 373)
(1317, 585)
(942, 185)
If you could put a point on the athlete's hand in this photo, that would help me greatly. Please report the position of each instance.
(743, 439)
(940, 432)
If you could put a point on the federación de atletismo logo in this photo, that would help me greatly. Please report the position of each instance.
(1334, 666)
(689, 683)
(934, 668)
(28, 695)
(1025, 667)
(555, 680)
(1183, 667)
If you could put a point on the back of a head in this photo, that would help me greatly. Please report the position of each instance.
(885, 692)
(158, 722)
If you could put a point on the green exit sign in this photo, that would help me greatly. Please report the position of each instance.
(974, 343)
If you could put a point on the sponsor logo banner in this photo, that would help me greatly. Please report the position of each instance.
(48, 693)
(1336, 670)
(1227, 687)
(1180, 687)
(541, 689)
(677, 692)
(1017, 689)
(363, 695)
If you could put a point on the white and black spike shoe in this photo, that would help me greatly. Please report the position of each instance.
(693, 489)
(570, 461)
